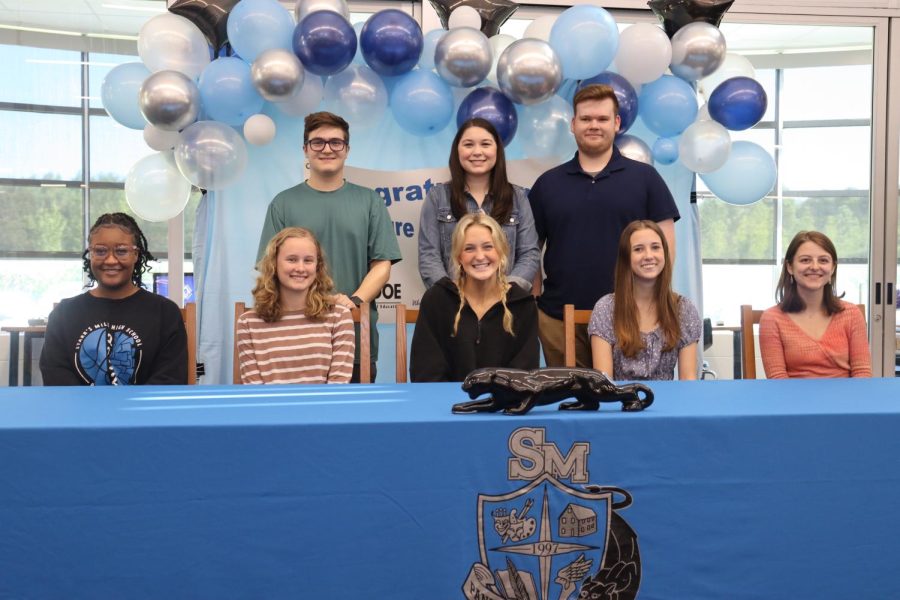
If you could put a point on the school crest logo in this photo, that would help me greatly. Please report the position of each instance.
(108, 354)
(557, 537)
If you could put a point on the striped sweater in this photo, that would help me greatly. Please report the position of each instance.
(296, 349)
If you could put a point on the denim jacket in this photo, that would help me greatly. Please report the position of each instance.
(436, 225)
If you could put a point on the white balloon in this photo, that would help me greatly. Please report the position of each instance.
(540, 28)
(160, 139)
(358, 94)
(169, 42)
(498, 43)
(155, 190)
(734, 65)
(703, 114)
(259, 130)
(704, 146)
(644, 53)
(306, 100)
(464, 16)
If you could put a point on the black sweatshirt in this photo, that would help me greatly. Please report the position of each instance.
(437, 355)
(98, 341)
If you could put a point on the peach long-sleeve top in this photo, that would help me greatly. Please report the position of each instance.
(788, 351)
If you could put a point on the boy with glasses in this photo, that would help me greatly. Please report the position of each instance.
(116, 333)
(350, 221)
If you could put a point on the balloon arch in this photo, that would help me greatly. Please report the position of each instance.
(211, 70)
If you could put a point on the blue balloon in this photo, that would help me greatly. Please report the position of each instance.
(586, 39)
(227, 91)
(494, 107)
(738, 103)
(324, 42)
(668, 105)
(358, 58)
(422, 102)
(119, 94)
(665, 150)
(255, 26)
(625, 94)
(429, 45)
(746, 177)
(391, 42)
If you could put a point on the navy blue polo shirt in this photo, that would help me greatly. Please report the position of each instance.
(581, 218)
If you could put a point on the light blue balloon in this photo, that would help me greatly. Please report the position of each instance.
(667, 106)
(358, 58)
(426, 61)
(119, 94)
(665, 150)
(544, 129)
(258, 25)
(227, 91)
(746, 177)
(586, 39)
(422, 102)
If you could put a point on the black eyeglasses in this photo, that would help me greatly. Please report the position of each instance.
(318, 144)
(121, 252)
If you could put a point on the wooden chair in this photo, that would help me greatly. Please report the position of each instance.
(360, 316)
(189, 316)
(571, 318)
(404, 316)
(749, 318)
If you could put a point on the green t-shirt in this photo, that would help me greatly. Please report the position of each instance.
(352, 225)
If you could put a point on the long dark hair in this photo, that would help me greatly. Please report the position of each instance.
(625, 319)
(501, 191)
(789, 300)
(122, 221)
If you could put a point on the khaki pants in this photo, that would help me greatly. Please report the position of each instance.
(553, 341)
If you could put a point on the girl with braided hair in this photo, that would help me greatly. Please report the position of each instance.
(479, 318)
(116, 333)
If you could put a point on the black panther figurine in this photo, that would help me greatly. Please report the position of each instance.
(516, 392)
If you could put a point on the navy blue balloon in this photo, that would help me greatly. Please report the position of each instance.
(625, 94)
(493, 106)
(391, 42)
(324, 42)
(738, 103)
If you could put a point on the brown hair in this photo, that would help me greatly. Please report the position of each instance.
(324, 119)
(595, 91)
(267, 292)
(786, 291)
(625, 320)
(500, 191)
(502, 246)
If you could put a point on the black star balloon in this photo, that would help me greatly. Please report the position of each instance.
(210, 16)
(494, 13)
(675, 14)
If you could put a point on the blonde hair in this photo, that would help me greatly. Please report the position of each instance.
(625, 319)
(267, 292)
(459, 274)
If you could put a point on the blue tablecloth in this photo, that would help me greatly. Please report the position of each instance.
(747, 489)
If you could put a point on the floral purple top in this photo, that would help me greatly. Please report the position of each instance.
(651, 362)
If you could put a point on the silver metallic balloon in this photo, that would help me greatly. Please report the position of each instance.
(463, 57)
(304, 7)
(529, 71)
(634, 148)
(698, 49)
(211, 155)
(169, 100)
(277, 74)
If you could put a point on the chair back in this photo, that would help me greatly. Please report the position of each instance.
(404, 316)
(361, 316)
(749, 318)
(239, 309)
(572, 317)
(189, 316)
